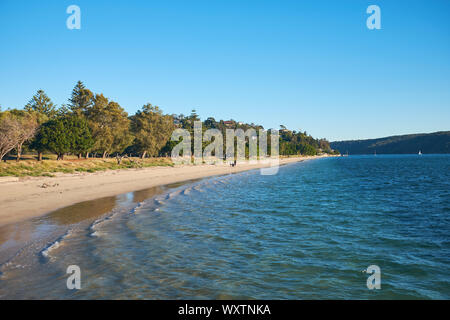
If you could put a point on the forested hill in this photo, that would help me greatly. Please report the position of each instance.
(437, 142)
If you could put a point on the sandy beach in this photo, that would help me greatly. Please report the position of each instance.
(30, 197)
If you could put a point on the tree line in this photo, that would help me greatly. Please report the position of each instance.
(91, 125)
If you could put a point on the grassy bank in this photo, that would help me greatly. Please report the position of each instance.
(31, 167)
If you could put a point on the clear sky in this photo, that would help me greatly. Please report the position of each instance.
(310, 65)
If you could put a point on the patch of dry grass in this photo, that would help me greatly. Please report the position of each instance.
(31, 167)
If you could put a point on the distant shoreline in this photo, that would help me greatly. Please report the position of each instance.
(427, 143)
(37, 196)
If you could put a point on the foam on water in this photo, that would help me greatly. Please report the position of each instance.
(137, 209)
(55, 244)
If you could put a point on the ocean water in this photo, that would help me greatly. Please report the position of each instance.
(306, 233)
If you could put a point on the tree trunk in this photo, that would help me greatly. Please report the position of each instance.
(79, 156)
(144, 154)
(104, 155)
(19, 152)
(39, 156)
(87, 155)
(120, 158)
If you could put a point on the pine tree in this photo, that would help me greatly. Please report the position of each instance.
(41, 104)
(82, 138)
(81, 99)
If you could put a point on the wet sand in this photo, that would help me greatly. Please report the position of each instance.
(25, 198)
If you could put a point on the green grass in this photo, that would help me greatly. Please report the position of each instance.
(29, 167)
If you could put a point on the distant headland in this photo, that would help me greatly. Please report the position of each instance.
(436, 142)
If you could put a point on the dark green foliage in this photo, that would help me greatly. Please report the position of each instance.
(81, 99)
(82, 138)
(300, 143)
(438, 142)
(291, 142)
(64, 135)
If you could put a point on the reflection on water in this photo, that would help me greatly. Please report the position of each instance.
(49, 226)
(23, 241)
(139, 196)
(82, 211)
(16, 233)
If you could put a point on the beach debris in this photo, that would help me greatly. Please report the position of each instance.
(48, 185)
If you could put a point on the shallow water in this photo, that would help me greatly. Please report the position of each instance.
(305, 233)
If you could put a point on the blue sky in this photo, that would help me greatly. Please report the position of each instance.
(310, 65)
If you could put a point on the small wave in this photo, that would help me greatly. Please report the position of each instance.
(198, 188)
(173, 194)
(11, 264)
(56, 244)
(159, 202)
(97, 223)
(138, 208)
(97, 234)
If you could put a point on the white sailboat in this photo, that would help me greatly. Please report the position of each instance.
(420, 152)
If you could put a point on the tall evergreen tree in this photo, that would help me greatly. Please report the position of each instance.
(45, 110)
(82, 136)
(41, 104)
(81, 99)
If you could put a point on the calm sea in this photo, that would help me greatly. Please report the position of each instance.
(306, 233)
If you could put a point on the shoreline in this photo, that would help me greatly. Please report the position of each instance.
(32, 197)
